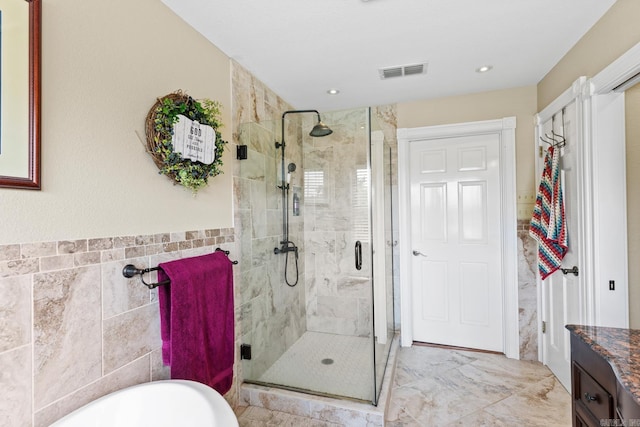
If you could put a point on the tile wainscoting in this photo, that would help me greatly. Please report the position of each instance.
(72, 328)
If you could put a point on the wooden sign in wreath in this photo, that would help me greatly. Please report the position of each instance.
(183, 139)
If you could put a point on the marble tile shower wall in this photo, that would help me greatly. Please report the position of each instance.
(272, 314)
(72, 328)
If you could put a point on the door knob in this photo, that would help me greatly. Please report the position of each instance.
(416, 253)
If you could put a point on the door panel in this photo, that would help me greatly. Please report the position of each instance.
(433, 221)
(473, 212)
(475, 290)
(435, 303)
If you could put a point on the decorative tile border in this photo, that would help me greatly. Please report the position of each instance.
(26, 258)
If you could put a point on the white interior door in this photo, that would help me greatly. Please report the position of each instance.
(456, 243)
(561, 292)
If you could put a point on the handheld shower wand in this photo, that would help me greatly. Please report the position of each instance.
(291, 168)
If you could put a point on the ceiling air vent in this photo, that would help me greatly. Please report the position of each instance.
(403, 70)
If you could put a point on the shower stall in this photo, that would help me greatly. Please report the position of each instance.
(314, 219)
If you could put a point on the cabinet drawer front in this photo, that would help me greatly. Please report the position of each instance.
(593, 396)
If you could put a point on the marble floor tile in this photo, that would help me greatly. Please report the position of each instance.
(460, 388)
(541, 404)
(480, 419)
(418, 362)
(443, 387)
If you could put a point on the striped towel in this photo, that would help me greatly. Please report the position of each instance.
(548, 223)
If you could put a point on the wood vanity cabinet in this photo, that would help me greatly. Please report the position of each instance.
(597, 399)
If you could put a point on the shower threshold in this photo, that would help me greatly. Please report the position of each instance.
(265, 385)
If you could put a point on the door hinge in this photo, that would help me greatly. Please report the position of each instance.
(544, 327)
(540, 151)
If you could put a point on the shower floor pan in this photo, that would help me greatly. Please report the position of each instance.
(326, 364)
(338, 365)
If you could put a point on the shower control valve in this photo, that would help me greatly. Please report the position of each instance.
(284, 249)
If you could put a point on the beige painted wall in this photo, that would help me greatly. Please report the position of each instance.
(518, 102)
(632, 112)
(615, 33)
(104, 65)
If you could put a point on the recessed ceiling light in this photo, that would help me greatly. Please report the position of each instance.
(484, 69)
(333, 91)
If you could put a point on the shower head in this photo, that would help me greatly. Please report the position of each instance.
(291, 167)
(320, 129)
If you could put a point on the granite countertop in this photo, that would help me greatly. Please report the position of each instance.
(620, 347)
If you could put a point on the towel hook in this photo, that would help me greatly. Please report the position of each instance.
(555, 140)
(549, 140)
(561, 142)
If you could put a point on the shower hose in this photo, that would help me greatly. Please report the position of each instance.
(290, 244)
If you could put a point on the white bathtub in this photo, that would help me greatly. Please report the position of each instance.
(159, 404)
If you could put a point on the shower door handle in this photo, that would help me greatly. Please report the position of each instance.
(358, 255)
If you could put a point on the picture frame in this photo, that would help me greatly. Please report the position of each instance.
(20, 137)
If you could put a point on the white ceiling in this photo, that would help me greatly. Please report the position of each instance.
(302, 48)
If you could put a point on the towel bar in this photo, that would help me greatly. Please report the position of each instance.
(131, 270)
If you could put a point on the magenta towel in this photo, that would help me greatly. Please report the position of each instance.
(197, 320)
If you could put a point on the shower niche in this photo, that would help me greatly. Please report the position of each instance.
(319, 318)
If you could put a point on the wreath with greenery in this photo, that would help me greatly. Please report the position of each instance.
(159, 130)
